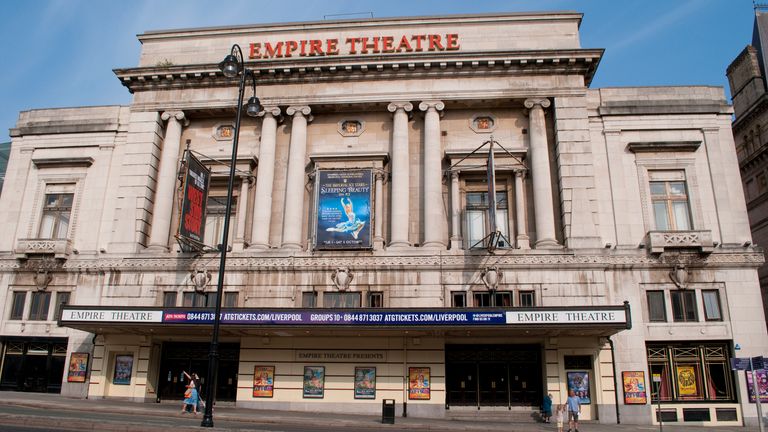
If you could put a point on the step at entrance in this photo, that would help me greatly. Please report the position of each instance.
(494, 414)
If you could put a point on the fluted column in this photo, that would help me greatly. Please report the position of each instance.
(455, 210)
(262, 209)
(399, 216)
(166, 182)
(378, 229)
(522, 240)
(434, 215)
(293, 220)
(544, 212)
(242, 210)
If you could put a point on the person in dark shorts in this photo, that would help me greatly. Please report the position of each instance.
(574, 408)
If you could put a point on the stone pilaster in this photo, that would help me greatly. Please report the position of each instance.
(242, 210)
(434, 214)
(400, 180)
(262, 209)
(293, 220)
(522, 240)
(455, 211)
(378, 231)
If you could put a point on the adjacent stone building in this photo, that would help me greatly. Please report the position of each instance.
(375, 255)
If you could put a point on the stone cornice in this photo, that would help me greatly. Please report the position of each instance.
(331, 69)
(531, 260)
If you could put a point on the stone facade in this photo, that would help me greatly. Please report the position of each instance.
(91, 207)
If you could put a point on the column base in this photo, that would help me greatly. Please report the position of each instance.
(398, 245)
(433, 245)
(378, 244)
(523, 242)
(455, 244)
(548, 244)
(258, 246)
(291, 246)
(156, 249)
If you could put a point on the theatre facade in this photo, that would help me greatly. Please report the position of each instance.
(435, 210)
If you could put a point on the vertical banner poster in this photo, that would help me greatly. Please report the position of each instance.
(123, 369)
(196, 182)
(78, 367)
(418, 383)
(634, 387)
(579, 383)
(263, 381)
(365, 383)
(686, 381)
(314, 381)
(343, 209)
(762, 388)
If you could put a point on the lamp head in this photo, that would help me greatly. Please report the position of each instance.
(230, 66)
(253, 107)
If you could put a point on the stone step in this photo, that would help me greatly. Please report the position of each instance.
(495, 414)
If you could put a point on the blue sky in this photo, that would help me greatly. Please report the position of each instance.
(60, 53)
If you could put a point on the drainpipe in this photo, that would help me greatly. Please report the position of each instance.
(615, 387)
(405, 376)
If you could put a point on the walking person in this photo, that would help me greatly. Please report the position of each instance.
(560, 417)
(194, 380)
(546, 408)
(574, 409)
(191, 396)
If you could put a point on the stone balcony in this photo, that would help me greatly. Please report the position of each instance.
(661, 241)
(59, 248)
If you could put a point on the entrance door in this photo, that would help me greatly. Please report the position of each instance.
(33, 364)
(462, 384)
(178, 358)
(494, 385)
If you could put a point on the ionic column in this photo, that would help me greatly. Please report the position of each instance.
(262, 209)
(378, 228)
(455, 210)
(166, 182)
(522, 233)
(293, 220)
(400, 179)
(434, 215)
(544, 212)
(242, 210)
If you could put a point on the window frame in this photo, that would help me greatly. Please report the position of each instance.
(306, 296)
(459, 295)
(57, 212)
(523, 293)
(478, 185)
(670, 200)
(18, 315)
(379, 299)
(214, 216)
(685, 308)
(663, 295)
(60, 304)
(39, 311)
(230, 299)
(345, 296)
(718, 301)
(167, 295)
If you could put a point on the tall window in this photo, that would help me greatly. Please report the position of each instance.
(41, 301)
(657, 310)
(478, 225)
(169, 299)
(684, 305)
(309, 299)
(62, 299)
(216, 207)
(669, 197)
(527, 299)
(56, 215)
(196, 299)
(17, 309)
(375, 299)
(341, 300)
(499, 298)
(711, 300)
(230, 299)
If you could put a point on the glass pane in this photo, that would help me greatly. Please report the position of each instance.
(677, 188)
(66, 200)
(658, 189)
(475, 226)
(46, 226)
(502, 222)
(208, 299)
(40, 303)
(477, 199)
(660, 214)
(308, 299)
(331, 300)
(526, 299)
(501, 200)
(62, 298)
(63, 228)
(711, 305)
(351, 300)
(188, 299)
(677, 306)
(19, 298)
(681, 215)
(482, 299)
(656, 310)
(169, 299)
(375, 299)
(459, 299)
(690, 305)
(51, 200)
(718, 377)
(504, 299)
(230, 299)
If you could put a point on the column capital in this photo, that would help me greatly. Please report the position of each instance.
(434, 104)
(167, 115)
(710, 129)
(455, 175)
(405, 106)
(274, 111)
(519, 173)
(380, 175)
(298, 110)
(533, 102)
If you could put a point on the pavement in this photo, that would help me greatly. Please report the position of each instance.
(39, 411)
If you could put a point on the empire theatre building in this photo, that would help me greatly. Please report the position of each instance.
(435, 210)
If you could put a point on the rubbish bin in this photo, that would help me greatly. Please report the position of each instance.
(388, 411)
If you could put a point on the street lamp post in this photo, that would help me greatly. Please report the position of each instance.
(232, 66)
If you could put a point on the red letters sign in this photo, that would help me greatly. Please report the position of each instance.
(354, 46)
(192, 221)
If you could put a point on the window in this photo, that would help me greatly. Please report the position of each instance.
(459, 299)
(690, 372)
(577, 362)
(196, 299)
(17, 309)
(38, 311)
(341, 300)
(527, 299)
(62, 298)
(230, 299)
(669, 197)
(711, 305)
(216, 207)
(309, 299)
(375, 299)
(169, 299)
(684, 306)
(657, 310)
(478, 225)
(56, 214)
(500, 298)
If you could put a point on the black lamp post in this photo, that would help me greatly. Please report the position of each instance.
(232, 66)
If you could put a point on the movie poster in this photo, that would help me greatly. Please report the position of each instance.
(634, 387)
(579, 383)
(343, 209)
(686, 381)
(196, 181)
(314, 381)
(365, 383)
(123, 369)
(78, 367)
(418, 383)
(762, 378)
(263, 381)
